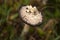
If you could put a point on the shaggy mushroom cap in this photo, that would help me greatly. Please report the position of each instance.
(30, 15)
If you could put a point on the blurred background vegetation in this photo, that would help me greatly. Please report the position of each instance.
(11, 26)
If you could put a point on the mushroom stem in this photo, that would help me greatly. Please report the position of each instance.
(24, 31)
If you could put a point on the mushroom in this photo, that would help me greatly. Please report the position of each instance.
(30, 16)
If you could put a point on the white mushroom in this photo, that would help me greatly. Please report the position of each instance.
(30, 15)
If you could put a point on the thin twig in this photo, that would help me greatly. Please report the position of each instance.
(48, 28)
(49, 24)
